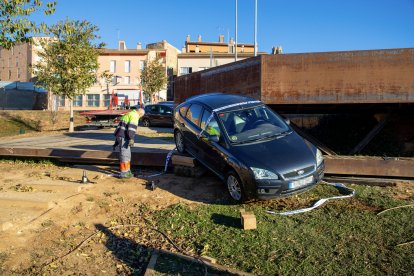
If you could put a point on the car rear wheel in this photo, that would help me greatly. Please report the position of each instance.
(179, 141)
(235, 187)
(146, 122)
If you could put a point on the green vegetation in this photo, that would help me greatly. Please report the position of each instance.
(69, 60)
(29, 161)
(15, 26)
(341, 237)
(11, 128)
(153, 77)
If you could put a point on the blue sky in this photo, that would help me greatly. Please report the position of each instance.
(297, 25)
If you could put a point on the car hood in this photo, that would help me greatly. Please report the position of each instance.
(280, 155)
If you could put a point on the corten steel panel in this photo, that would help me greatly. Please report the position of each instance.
(242, 77)
(372, 76)
(369, 166)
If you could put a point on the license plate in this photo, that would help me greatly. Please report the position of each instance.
(301, 182)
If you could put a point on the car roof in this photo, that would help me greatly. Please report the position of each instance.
(219, 100)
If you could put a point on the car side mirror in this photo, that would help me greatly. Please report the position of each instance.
(214, 138)
(287, 121)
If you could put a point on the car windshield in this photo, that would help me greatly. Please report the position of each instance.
(253, 124)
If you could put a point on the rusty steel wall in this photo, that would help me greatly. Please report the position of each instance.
(242, 77)
(372, 76)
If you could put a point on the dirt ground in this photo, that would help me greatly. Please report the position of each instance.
(45, 212)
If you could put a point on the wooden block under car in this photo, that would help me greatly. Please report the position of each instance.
(248, 220)
(182, 160)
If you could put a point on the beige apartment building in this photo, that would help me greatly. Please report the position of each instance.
(200, 55)
(124, 64)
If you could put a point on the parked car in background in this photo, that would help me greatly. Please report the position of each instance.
(247, 145)
(160, 114)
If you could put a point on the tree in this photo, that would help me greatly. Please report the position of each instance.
(153, 77)
(15, 26)
(69, 60)
(107, 78)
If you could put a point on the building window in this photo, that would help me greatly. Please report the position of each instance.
(17, 62)
(114, 80)
(18, 73)
(93, 100)
(141, 65)
(127, 80)
(127, 66)
(77, 100)
(10, 74)
(61, 100)
(112, 67)
(107, 99)
(186, 70)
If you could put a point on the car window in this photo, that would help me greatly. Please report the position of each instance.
(252, 124)
(165, 109)
(183, 110)
(153, 109)
(212, 127)
(194, 114)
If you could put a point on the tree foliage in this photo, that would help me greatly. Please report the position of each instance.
(15, 26)
(69, 59)
(153, 77)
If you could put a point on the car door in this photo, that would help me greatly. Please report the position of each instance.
(211, 152)
(165, 115)
(191, 128)
(154, 114)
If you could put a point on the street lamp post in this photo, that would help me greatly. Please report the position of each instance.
(255, 27)
(235, 45)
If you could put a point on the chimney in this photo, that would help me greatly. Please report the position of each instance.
(199, 38)
(139, 46)
(221, 38)
(188, 38)
(121, 45)
(231, 41)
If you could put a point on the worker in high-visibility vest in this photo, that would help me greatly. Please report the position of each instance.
(124, 140)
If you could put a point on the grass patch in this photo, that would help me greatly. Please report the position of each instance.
(341, 237)
(30, 161)
(11, 128)
(162, 136)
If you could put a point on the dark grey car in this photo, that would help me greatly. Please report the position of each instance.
(158, 114)
(247, 145)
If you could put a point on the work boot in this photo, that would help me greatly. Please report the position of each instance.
(127, 175)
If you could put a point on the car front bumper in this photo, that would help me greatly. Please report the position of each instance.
(269, 189)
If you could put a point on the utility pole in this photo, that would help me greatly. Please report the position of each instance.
(255, 27)
(235, 45)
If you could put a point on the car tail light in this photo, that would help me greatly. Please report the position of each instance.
(88, 121)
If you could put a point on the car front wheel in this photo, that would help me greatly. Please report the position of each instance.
(146, 123)
(235, 187)
(179, 141)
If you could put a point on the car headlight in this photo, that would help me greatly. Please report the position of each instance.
(319, 157)
(263, 174)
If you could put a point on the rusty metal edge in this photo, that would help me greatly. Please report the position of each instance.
(338, 165)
